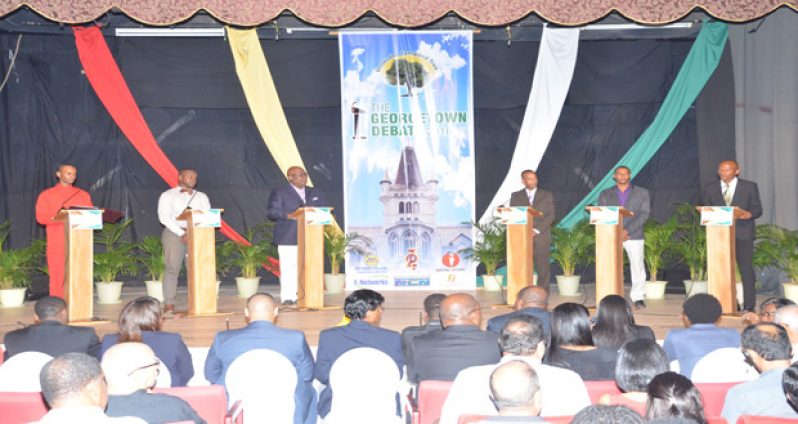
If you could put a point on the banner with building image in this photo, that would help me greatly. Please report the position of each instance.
(408, 148)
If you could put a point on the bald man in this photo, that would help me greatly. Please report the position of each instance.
(531, 301)
(440, 355)
(787, 317)
(261, 333)
(515, 388)
(131, 370)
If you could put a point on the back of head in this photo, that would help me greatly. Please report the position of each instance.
(787, 316)
(770, 341)
(360, 302)
(614, 322)
(570, 325)
(140, 314)
(514, 385)
(533, 296)
(460, 309)
(674, 395)
(638, 362)
(777, 302)
(602, 414)
(261, 307)
(521, 336)
(69, 377)
(50, 308)
(789, 382)
(129, 367)
(702, 308)
(432, 306)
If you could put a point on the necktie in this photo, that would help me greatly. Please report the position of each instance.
(727, 194)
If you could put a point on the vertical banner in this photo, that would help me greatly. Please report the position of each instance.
(408, 148)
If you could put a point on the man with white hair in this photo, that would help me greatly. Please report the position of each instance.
(787, 317)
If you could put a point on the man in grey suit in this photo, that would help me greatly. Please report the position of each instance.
(636, 200)
(744, 194)
(543, 201)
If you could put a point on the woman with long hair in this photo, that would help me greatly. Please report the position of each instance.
(572, 344)
(639, 361)
(674, 395)
(615, 324)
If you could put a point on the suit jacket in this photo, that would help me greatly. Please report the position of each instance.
(543, 202)
(284, 200)
(168, 347)
(52, 338)
(229, 345)
(334, 342)
(496, 323)
(638, 201)
(409, 333)
(746, 197)
(440, 355)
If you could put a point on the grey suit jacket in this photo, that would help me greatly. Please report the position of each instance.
(638, 201)
(543, 202)
(746, 197)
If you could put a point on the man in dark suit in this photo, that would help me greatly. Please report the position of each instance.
(543, 201)
(283, 201)
(744, 194)
(50, 334)
(636, 200)
(364, 308)
(531, 301)
(440, 355)
(261, 333)
(431, 319)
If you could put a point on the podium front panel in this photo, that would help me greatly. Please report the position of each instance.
(78, 273)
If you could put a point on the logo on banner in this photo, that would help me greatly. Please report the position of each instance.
(365, 282)
(450, 259)
(372, 260)
(411, 282)
(411, 259)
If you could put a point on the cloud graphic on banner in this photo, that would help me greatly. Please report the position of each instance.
(455, 179)
(356, 58)
(441, 58)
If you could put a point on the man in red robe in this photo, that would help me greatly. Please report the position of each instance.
(61, 196)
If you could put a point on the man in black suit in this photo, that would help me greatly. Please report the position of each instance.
(543, 201)
(744, 194)
(431, 319)
(50, 334)
(283, 201)
(531, 301)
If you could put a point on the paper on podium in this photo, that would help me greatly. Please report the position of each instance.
(721, 216)
(318, 216)
(513, 215)
(86, 219)
(604, 215)
(207, 218)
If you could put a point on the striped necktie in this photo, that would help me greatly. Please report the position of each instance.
(727, 196)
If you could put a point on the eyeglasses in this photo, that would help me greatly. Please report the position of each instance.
(771, 314)
(144, 367)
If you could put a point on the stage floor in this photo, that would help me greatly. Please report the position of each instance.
(402, 308)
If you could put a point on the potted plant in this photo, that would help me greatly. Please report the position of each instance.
(115, 260)
(778, 246)
(151, 258)
(572, 247)
(249, 258)
(16, 266)
(692, 247)
(659, 242)
(489, 249)
(336, 246)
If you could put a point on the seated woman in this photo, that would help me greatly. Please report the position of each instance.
(141, 321)
(572, 344)
(674, 395)
(615, 324)
(639, 361)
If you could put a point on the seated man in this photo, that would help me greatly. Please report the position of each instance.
(364, 309)
(261, 333)
(700, 314)
(50, 334)
(531, 300)
(602, 414)
(787, 317)
(515, 390)
(431, 319)
(767, 347)
(789, 383)
(440, 355)
(131, 369)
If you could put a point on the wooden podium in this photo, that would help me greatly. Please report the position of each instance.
(720, 224)
(609, 248)
(79, 226)
(201, 227)
(310, 255)
(520, 252)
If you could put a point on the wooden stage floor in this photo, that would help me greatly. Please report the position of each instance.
(402, 308)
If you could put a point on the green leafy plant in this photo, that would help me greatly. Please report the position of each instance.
(490, 248)
(659, 242)
(112, 235)
(248, 258)
(337, 245)
(16, 265)
(151, 257)
(573, 246)
(692, 241)
(117, 259)
(778, 246)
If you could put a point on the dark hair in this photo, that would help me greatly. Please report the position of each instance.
(789, 383)
(615, 323)
(673, 420)
(570, 325)
(140, 314)
(622, 167)
(49, 307)
(67, 375)
(521, 335)
(702, 308)
(361, 301)
(62, 165)
(513, 393)
(638, 362)
(604, 414)
(527, 171)
(432, 306)
(770, 341)
(779, 302)
(674, 395)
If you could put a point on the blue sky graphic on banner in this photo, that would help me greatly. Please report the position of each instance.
(408, 140)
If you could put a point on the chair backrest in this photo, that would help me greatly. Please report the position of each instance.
(164, 376)
(599, 388)
(474, 419)
(21, 407)
(198, 356)
(431, 396)
(713, 395)
(724, 365)
(20, 373)
(210, 402)
(364, 383)
(265, 381)
(716, 420)
(751, 419)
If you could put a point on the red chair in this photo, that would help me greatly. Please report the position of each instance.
(210, 402)
(472, 419)
(16, 408)
(713, 394)
(751, 419)
(430, 398)
(716, 420)
(597, 389)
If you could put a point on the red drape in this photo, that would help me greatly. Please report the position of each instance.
(110, 86)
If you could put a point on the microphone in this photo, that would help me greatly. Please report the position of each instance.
(188, 205)
(69, 198)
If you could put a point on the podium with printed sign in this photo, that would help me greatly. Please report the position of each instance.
(609, 248)
(721, 262)
(79, 226)
(520, 235)
(310, 254)
(201, 227)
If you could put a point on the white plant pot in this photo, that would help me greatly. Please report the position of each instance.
(155, 289)
(247, 286)
(692, 287)
(492, 283)
(568, 286)
(108, 292)
(334, 283)
(218, 285)
(655, 289)
(12, 298)
(790, 291)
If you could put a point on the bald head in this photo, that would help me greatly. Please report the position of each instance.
(515, 388)
(261, 307)
(532, 297)
(460, 309)
(787, 317)
(129, 367)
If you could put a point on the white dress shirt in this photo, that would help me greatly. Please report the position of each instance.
(172, 203)
(85, 415)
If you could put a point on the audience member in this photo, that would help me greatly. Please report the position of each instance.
(615, 324)
(767, 310)
(787, 317)
(562, 391)
(141, 320)
(700, 314)
(572, 344)
(767, 347)
(49, 334)
(431, 318)
(74, 386)
(261, 333)
(674, 395)
(789, 383)
(130, 370)
(638, 362)
(364, 308)
(603, 414)
(515, 391)
(461, 344)
(531, 300)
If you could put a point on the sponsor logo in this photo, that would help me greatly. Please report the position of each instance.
(371, 282)
(410, 282)
(450, 259)
(411, 259)
(372, 260)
